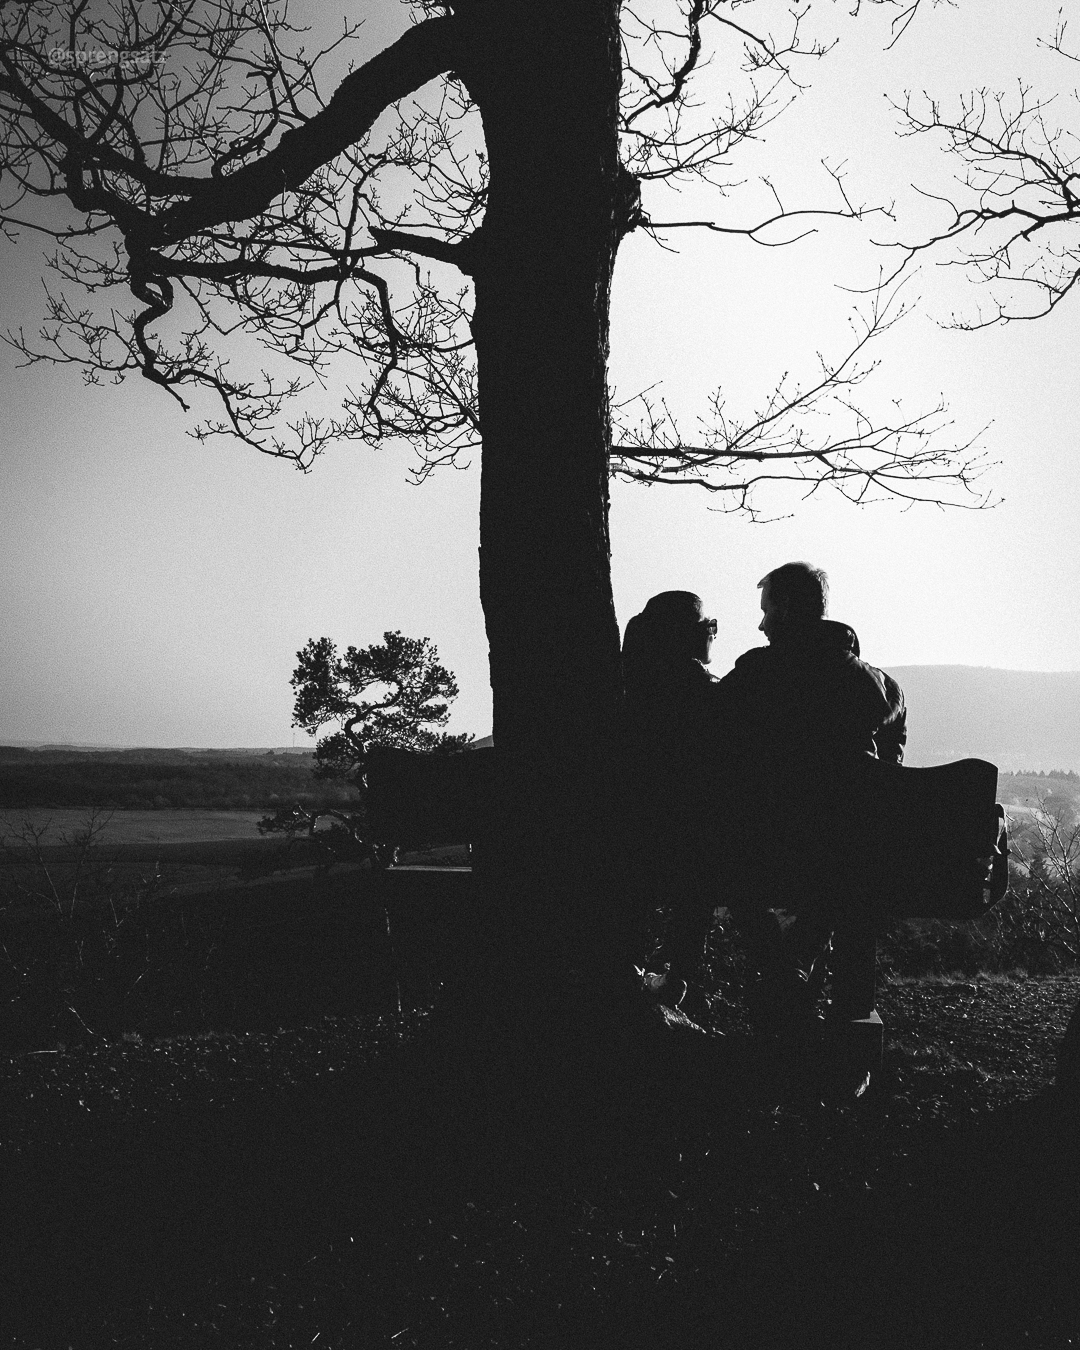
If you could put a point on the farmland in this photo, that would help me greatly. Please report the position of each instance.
(118, 829)
(190, 817)
(152, 779)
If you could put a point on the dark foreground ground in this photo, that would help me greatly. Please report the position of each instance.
(327, 1184)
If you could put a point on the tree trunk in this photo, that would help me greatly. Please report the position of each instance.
(546, 80)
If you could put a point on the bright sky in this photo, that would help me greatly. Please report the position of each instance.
(158, 590)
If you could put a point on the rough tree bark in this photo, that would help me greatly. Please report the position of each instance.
(546, 80)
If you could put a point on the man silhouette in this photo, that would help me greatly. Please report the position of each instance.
(797, 716)
(808, 693)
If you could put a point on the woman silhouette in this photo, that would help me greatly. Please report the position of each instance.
(669, 743)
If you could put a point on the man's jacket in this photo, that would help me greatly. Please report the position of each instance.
(798, 721)
(807, 698)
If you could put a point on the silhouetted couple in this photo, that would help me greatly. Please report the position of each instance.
(740, 792)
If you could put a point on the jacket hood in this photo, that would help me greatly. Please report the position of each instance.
(823, 635)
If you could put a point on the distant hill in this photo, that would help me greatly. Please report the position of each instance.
(92, 747)
(1019, 719)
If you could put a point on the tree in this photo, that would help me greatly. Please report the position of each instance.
(333, 690)
(416, 697)
(193, 160)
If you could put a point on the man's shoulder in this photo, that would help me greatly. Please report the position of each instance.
(893, 691)
(754, 659)
(884, 701)
(882, 679)
(743, 671)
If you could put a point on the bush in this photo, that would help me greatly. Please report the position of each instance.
(88, 954)
(1001, 941)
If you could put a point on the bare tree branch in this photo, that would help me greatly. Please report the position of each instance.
(291, 274)
(421, 54)
(847, 210)
(663, 140)
(215, 184)
(442, 250)
(811, 434)
(909, 9)
(1016, 225)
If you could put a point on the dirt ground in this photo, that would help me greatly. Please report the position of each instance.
(307, 1186)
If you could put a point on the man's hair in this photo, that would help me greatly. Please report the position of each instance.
(799, 589)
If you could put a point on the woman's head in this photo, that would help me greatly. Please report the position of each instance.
(670, 628)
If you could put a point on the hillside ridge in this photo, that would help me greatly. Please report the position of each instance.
(1018, 719)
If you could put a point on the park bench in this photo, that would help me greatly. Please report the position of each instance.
(420, 801)
(925, 843)
(416, 802)
(933, 839)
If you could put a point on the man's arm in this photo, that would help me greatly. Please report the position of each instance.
(891, 737)
(731, 696)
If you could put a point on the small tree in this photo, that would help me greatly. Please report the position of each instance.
(394, 693)
(331, 688)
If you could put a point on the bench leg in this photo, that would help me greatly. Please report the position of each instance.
(854, 972)
(853, 1017)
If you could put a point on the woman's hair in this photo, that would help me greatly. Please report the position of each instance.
(662, 635)
(678, 610)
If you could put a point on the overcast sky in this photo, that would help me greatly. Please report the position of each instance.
(157, 590)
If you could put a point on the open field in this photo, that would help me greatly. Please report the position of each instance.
(190, 849)
(118, 828)
(180, 849)
(152, 780)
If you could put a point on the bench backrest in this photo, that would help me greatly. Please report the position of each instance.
(918, 835)
(425, 800)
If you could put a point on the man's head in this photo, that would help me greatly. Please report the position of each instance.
(792, 596)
